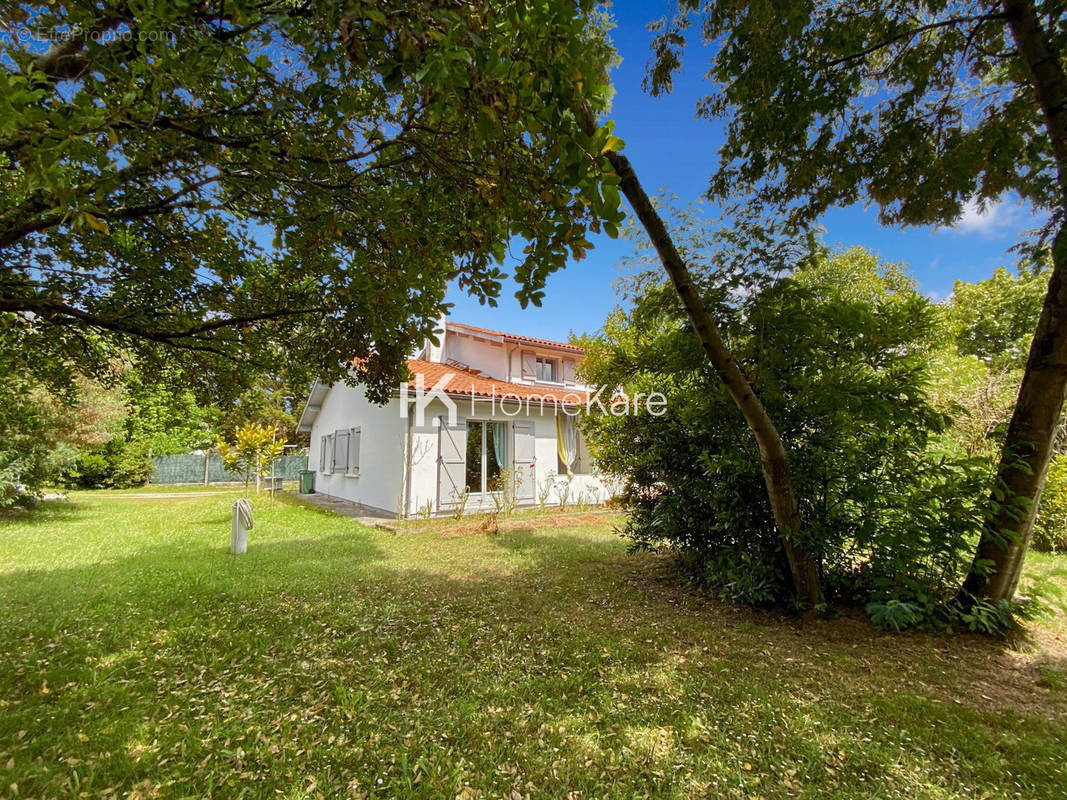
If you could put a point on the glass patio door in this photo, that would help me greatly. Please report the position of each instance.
(485, 455)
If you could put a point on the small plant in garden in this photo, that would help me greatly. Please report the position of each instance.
(461, 503)
(544, 490)
(563, 491)
(504, 493)
(425, 511)
(253, 452)
(579, 501)
(895, 615)
(489, 524)
(520, 481)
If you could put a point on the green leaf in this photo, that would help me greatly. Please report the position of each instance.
(613, 143)
(95, 223)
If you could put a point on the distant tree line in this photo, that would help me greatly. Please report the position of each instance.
(98, 435)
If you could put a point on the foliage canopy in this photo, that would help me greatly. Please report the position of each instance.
(285, 186)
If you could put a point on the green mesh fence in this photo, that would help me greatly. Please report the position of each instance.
(190, 468)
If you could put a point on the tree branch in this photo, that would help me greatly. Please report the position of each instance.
(50, 309)
(945, 23)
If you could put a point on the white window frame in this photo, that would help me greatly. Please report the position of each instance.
(484, 491)
(355, 436)
(557, 369)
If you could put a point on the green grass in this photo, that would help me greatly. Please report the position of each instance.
(333, 660)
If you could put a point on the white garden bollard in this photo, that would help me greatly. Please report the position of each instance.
(242, 523)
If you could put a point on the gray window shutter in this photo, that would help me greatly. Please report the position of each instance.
(340, 451)
(329, 453)
(353, 451)
(451, 460)
(322, 454)
(582, 461)
(524, 460)
(529, 366)
(568, 372)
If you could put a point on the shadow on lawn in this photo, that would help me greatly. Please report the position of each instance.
(569, 663)
(49, 512)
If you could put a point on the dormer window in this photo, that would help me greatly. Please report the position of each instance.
(547, 369)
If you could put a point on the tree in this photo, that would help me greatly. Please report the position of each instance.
(774, 462)
(253, 452)
(164, 416)
(995, 319)
(41, 432)
(920, 108)
(271, 401)
(151, 153)
(839, 350)
(157, 416)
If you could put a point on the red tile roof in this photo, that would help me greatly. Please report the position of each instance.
(466, 381)
(511, 337)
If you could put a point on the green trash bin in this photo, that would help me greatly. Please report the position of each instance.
(307, 481)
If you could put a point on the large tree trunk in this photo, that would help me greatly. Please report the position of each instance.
(1028, 446)
(773, 459)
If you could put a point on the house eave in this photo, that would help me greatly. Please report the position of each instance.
(312, 407)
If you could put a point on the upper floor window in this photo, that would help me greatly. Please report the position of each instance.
(547, 369)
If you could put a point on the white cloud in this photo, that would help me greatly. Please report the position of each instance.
(996, 218)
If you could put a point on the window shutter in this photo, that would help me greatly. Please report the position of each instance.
(451, 462)
(568, 372)
(529, 366)
(328, 451)
(583, 462)
(353, 451)
(524, 460)
(340, 451)
(322, 454)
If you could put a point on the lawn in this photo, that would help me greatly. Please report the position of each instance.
(335, 660)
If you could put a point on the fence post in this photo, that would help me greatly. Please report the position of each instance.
(207, 467)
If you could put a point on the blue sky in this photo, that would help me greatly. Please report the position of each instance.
(672, 150)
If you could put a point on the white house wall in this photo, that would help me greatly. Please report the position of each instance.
(381, 456)
(424, 440)
(489, 358)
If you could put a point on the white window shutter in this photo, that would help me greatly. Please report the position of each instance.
(524, 460)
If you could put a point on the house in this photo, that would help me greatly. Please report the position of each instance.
(480, 408)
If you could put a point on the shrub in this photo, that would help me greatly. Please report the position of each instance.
(838, 353)
(1050, 526)
(117, 464)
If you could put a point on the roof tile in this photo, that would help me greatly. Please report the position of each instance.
(467, 382)
(515, 337)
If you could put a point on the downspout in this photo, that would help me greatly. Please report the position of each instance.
(407, 464)
(514, 347)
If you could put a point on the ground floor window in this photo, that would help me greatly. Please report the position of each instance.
(572, 451)
(485, 455)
